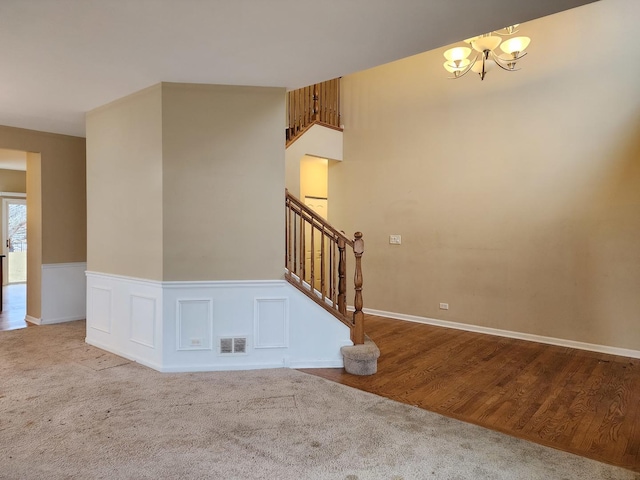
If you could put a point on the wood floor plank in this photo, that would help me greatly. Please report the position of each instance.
(582, 402)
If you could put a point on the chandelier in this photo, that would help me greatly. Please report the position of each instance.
(486, 57)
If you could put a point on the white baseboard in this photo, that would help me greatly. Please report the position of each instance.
(561, 342)
(52, 321)
(123, 354)
(34, 320)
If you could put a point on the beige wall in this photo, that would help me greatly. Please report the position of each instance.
(313, 177)
(517, 198)
(318, 141)
(124, 186)
(223, 163)
(13, 181)
(186, 182)
(34, 235)
(61, 209)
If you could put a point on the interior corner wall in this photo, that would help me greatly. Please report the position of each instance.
(124, 186)
(34, 236)
(223, 185)
(517, 197)
(61, 210)
(313, 177)
(319, 141)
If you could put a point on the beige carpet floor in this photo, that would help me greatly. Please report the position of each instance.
(69, 410)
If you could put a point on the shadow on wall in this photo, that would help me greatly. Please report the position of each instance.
(612, 248)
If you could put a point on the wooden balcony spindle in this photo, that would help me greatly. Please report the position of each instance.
(358, 315)
(342, 274)
(312, 254)
(316, 98)
(323, 289)
(287, 238)
(301, 258)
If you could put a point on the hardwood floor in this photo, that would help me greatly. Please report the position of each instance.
(577, 401)
(14, 306)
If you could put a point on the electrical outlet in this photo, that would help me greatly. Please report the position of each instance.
(196, 342)
(444, 306)
(395, 239)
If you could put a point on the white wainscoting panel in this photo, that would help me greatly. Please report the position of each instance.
(142, 318)
(124, 316)
(194, 324)
(100, 309)
(63, 292)
(171, 326)
(271, 322)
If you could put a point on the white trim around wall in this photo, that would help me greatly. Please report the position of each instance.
(34, 320)
(13, 194)
(178, 326)
(624, 352)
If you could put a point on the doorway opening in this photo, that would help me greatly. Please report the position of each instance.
(13, 188)
(314, 189)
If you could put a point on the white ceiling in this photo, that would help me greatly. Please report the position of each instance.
(62, 58)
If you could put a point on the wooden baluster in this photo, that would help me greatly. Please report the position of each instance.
(336, 104)
(316, 99)
(342, 273)
(322, 266)
(287, 236)
(301, 258)
(295, 244)
(324, 102)
(339, 120)
(312, 251)
(358, 315)
(332, 284)
(305, 98)
(331, 105)
(298, 111)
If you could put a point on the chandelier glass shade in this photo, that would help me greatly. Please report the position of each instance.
(459, 60)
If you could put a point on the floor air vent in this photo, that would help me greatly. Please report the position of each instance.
(231, 345)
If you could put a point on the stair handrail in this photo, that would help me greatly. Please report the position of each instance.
(303, 226)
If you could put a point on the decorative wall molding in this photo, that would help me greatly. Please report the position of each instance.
(142, 314)
(271, 322)
(561, 342)
(171, 326)
(63, 292)
(100, 309)
(194, 324)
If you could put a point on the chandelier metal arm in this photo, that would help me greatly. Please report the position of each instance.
(499, 61)
(466, 70)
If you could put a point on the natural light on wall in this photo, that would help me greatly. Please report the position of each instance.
(459, 63)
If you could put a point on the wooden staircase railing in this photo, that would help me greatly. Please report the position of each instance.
(315, 104)
(316, 263)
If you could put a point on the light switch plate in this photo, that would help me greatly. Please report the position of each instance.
(395, 239)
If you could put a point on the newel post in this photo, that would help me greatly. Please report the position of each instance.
(342, 275)
(358, 315)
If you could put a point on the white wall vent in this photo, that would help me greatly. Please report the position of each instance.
(231, 345)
